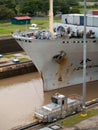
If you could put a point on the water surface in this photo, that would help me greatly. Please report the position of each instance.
(19, 97)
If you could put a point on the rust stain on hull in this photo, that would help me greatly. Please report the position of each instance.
(62, 67)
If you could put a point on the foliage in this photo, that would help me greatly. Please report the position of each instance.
(34, 7)
(7, 9)
(5, 12)
(12, 8)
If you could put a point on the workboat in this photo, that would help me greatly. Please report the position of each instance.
(58, 54)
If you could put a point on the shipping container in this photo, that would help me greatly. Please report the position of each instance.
(76, 19)
(70, 18)
(95, 21)
(89, 20)
(81, 20)
(95, 12)
(64, 18)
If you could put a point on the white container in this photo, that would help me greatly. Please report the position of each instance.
(70, 18)
(95, 21)
(64, 18)
(76, 19)
(90, 20)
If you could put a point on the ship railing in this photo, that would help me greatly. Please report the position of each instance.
(79, 40)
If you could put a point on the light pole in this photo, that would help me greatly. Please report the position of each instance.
(84, 63)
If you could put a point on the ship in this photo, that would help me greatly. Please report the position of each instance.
(58, 55)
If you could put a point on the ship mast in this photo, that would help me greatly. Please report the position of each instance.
(51, 17)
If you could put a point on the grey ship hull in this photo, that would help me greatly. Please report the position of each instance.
(60, 61)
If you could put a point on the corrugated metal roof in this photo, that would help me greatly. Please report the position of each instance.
(22, 17)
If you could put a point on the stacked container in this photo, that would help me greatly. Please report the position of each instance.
(78, 19)
(95, 21)
(92, 20)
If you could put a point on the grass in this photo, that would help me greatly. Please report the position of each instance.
(71, 121)
(8, 28)
(24, 53)
(12, 56)
(9, 56)
(24, 59)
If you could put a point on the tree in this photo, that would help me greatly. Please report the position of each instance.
(34, 7)
(28, 7)
(7, 9)
(6, 13)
